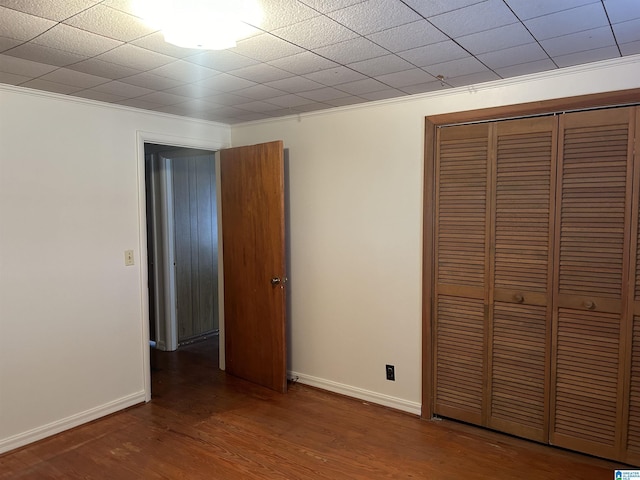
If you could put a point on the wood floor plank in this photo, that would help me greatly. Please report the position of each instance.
(204, 424)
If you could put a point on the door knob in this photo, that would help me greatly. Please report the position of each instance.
(275, 281)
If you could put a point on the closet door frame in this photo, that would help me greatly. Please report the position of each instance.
(431, 124)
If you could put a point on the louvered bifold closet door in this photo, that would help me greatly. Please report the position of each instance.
(461, 272)
(632, 434)
(521, 322)
(592, 260)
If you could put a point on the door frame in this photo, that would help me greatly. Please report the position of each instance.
(143, 137)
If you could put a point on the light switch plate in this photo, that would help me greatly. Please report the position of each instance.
(128, 258)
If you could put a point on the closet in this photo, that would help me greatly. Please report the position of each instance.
(535, 317)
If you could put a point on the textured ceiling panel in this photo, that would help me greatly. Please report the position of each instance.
(307, 55)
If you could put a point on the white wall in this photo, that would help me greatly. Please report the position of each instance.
(71, 314)
(356, 183)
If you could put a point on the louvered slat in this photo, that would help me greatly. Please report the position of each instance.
(587, 376)
(633, 434)
(459, 365)
(461, 269)
(593, 210)
(525, 162)
(593, 222)
(461, 216)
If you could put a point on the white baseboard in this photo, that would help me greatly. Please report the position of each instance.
(359, 393)
(58, 426)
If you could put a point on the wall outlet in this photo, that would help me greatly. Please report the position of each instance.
(391, 373)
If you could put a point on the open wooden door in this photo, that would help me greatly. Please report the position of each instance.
(253, 233)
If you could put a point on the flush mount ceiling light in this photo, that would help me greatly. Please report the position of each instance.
(205, 24)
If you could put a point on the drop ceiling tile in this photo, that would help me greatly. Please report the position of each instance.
(335, 76)
(315, 33)
(99, 96)
(257, 106)
(303, 63)
(265, 47)
(473, 79)
(436, 53)
(457, 68)
(22, 26)
(75, 79)
(259, 92)
(324, 94)
(261, 73)
(496, 39)
(353, 50)
(374, 15)
(408, 36)
(11, 79)
(7, 43)
(311, 107)
(294, 85)
(125, 90)
(199, 105)
(290, 101)
(579, 42)
(137, 103)
(111, 23)
(135, 57)
(46, 55)
(184, 71)
(531, 52)
(577, 19)
(425, 87)
(437, 7)
(71, 39)
(346, 101)
(526, 9)
(627, 32)
(163, 98)
(25, 68)
(191, 90)
(227, 99)
(126, 6)
(149, 80)
(381, 65)
(359, 87)
(592, 55)
(526, 68)
(57, 11)
(622, 10)
(404, 79)
(632, 48)
(384, 94)
(475, 18)
(221, 60)
(278, 13)
(251, 117)
(180, 110)
(326, 6)
(229, 111)
(47, 86)
(226, 83)
(155, 42)
(99, 68)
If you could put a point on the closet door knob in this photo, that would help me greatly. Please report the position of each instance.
(518, 298)
(589, 305)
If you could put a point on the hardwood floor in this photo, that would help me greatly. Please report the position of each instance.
(204, 424)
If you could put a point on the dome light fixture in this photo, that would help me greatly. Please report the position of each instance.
(203, 24)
